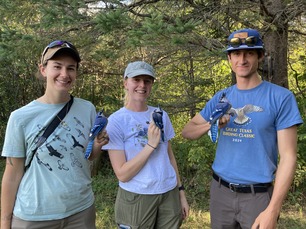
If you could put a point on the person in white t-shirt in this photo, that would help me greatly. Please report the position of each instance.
(150, 193)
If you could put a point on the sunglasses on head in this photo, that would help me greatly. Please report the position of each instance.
(57, 43)
(249, 41)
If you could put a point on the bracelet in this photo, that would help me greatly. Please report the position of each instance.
(181, 188)
(151, 146)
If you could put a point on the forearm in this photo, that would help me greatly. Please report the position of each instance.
(195, 131)
(126, 170)
(287, 145)
(283, 180)
(6, 223)
(13, 173)
(174, 165)
(8, 195)
(7, 205)
(183, 199)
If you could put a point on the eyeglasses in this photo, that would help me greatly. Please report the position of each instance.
(57, 43)
(249, 41)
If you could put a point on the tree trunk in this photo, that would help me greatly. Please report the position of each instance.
(275, 39)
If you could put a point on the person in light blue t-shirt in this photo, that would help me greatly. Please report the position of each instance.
(249, 184)
(150, 193)
(50, 187)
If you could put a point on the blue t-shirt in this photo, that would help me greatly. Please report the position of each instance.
(247, 150)
(58, 182)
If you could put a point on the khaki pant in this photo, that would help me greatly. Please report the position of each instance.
(83, 220)
(232, 210)
(138, 211)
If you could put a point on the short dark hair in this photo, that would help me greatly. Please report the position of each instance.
(260, 52)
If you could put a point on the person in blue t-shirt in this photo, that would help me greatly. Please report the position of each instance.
(259, 125)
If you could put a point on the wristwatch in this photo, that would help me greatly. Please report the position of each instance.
(181, 188)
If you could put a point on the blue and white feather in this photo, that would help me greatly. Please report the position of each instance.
(222, 107)
(157, 117)
(99, 124)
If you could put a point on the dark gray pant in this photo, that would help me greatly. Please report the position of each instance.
(232, 210)
(82, 220)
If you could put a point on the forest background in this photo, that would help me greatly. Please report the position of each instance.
(184, 40)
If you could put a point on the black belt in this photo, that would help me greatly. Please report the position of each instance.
(260, 187)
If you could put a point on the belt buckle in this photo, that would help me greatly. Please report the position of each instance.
(232, 186)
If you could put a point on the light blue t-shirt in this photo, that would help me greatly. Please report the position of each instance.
(58, 182)
(247, 150)
(128, 131)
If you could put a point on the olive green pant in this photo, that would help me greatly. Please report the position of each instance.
(137, 211)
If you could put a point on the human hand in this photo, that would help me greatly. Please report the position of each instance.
(102, 138)
(154, 134)
(224, 120)
(184, 205)
(265, 220)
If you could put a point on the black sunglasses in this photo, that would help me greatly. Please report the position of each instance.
(249, 41)
(57, 43)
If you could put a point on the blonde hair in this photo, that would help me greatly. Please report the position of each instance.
(126, 94)
(125, 98)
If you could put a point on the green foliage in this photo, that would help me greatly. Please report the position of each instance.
(184, 40)
(105, 186)
(60, 14)
(300, 176)
(107, 22)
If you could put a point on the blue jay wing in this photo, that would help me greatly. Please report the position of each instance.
(96, 130)
(222, 108)
(157, 117)
(99, 124)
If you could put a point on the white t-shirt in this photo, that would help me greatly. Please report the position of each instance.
(127, 131)
(58, 182)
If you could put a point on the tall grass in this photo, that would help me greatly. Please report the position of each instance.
(105, 187)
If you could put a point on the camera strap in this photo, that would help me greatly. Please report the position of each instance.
(51, 127)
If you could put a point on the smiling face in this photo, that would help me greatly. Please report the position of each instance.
(244, 62)
(60, 73)
(138, 88)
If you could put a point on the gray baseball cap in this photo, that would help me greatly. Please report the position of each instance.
(138, 68)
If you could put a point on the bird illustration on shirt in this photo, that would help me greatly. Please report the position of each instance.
(241, 113)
